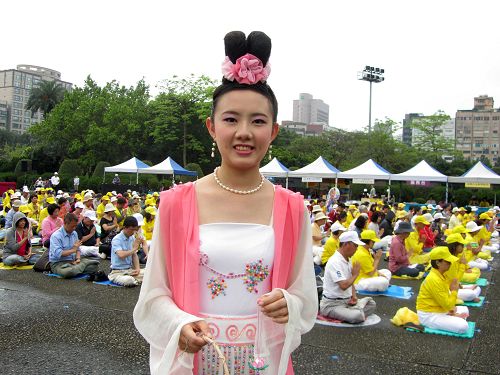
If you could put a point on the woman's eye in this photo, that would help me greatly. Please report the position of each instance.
(229, 119)
(260, 121)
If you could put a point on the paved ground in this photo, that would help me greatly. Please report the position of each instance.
(52, 326)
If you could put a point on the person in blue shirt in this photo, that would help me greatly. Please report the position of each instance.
(64, 252)
(125, 267)
(9, 218)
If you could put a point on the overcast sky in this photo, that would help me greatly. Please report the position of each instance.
(437, 54)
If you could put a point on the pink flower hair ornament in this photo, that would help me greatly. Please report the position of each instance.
(248, 69)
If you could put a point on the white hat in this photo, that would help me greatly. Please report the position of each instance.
(335, 206)
(439, 208)
(471, 226)
(25, 189)
(113, 192)
(109, 208)
(135, 196)
(66, 195)
(496, 208)
(17, 203)
(316, 208)
(116, 174)
(473, 208)
(438, 215)
(113, 199)
(319, 216)
(60, 192)
(455, 209)
(90, 214)
(351, 236)
(428, 217)
(79, 205)
(430, 206)
(337, 226)
(129, 191)
(140, 219)
(58, 196)
(87, 197)
(55, 173)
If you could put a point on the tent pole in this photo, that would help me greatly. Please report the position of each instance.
(137, 178)
(389, 191)
(286, 183)
(336, 182)
(446, 198)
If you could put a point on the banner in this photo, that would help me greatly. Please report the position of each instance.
(477, 185)
(312, 179)
(418, 183)
(364, 181)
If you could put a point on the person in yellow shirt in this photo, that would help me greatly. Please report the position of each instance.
(351, 215)
(332, 243)
(475, 255)
(370, 277)
(44, 212)
(455, 243)
(484, 235)
(149, 223)
(415, 243)
(34, 213)
(101, 206)
(436, 300)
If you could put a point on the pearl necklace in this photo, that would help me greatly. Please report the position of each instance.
(235, 191)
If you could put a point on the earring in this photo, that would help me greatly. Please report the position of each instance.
(213, 150)
(270, 152)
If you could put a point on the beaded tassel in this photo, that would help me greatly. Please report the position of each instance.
(213, 150)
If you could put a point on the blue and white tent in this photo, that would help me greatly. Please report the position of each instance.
(133, 165)
(368, 170)
(479, 173)
(320, 168)
(168, 166)
(420, 172)
(274, 169)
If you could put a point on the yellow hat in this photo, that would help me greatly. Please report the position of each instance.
(369, 235)
(421, 219)
(24, 209)
(149, 196)
(352, 207)
(105, 198)
(380, 203)
(442, 252)
(150, 202)
(484, 216)
(459, 229)
(109, 194)
(462, 209)
(150, 210)
(50, 200)
(10, 191)
(456, 237)
(155, 194)
(78, 197)
(401, 205)
(401, 214)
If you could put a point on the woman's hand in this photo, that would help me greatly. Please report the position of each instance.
(190, 340)
(274, 306)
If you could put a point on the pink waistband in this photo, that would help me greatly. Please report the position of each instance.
(232, 330)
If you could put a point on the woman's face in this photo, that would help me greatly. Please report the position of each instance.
(242, 128)
(21, 224)
(34, 200)
(55, 213)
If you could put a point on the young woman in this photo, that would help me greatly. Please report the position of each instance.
(109, 229)
(230, 259)
(50, 224)
(17, 249)
(149, 223)
(437, 296)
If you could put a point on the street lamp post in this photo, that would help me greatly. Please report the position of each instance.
(372, 75)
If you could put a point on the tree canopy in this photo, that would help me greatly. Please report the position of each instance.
(45, 97)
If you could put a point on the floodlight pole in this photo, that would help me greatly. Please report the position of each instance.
(370, 112)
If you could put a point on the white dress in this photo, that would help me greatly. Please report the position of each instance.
(159, 319)
(236, 260)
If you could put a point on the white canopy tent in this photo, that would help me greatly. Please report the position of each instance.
(422, 172)
(275, 169)
(369, 170)
(130, 166)
(320, 168)
(168, 166)
(479, 173)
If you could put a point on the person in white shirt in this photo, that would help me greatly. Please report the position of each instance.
(339, 299)
(54, 180)
(76, 183)
(454, 220)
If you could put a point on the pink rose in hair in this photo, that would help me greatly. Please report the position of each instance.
(248, 69)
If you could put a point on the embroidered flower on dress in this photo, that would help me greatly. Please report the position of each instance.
(217, 286)
(255, 272)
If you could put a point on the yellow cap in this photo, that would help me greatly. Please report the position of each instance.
(401, 214)
(78, 197)
(442, 252)
(369, 235)
(352, 207)
(155, 194)
(401, 205)
(10, 191)
(484, 216)
(459, 229)
(150, 210)
(50, 200)
(456, 237)
(24, 209)
(421, 219)
(462, 209)
(150, 202)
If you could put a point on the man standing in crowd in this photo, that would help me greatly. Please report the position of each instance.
(76, 183)
(54, 180)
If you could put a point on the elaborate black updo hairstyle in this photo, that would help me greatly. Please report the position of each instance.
(236, 45)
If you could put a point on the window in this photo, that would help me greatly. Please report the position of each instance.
(18, 98)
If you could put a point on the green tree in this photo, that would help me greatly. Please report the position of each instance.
(45, 97)
(429, 136)
(179, 112)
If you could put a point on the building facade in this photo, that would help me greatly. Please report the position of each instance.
(308, 110)
(303, 129)
(477, 130)
(447, 131)
(407, 129)
(15, 89)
